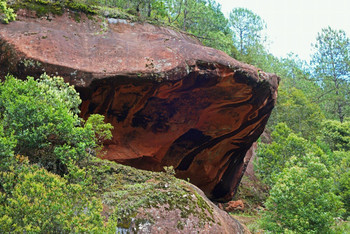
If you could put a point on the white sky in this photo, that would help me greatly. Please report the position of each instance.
(292, 25)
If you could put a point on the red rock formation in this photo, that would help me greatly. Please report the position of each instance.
(171, 100)
(234, 205)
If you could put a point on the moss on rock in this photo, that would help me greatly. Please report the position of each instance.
(46, 7)
(126, 192)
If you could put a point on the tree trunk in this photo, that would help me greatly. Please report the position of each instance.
(185, 15)
(241, 41)
(149, 9)
(340, 113)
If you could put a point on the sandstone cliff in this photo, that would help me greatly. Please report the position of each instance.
(171, 100)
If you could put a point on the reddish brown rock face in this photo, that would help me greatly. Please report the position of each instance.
(172, 101)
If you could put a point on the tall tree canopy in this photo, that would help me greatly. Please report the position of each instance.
(247, 29)
(331, 62)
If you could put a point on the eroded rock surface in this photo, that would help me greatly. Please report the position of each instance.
(154, 202)
(166, 220)
(172, 101)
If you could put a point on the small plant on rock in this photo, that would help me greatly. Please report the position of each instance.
(6, 14)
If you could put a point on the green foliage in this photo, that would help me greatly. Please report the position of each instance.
(336, 134)
(302, 200)
(81, 6)
(102, 130)
(33, 200)
(294, 108)
(272, 158)
(114, 12)
(46, 7)
(247, 28)
(7, 144)
(39, 119)
(205, 20)
(6, 13)
(41, 7)
(331, 67)
(42, 117)
(296, 74)
(309, 186)
(340, 161)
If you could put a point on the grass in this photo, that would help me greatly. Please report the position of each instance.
(249, 220)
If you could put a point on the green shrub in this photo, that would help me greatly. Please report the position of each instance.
(341, 165)
(302, 200)
(39, 119)
(42, 117)
(102, 130)
(6, 14)
(336, 134)
(32, 200)
(7, 144)
(81, 6)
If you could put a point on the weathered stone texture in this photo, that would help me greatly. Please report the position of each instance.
(171, 100)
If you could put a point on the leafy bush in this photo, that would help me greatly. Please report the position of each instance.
(341, 165)
(7, 145)
(39, 119)
(302, 200)
(102, 130)
(336, 134)
(6, 13)
(307, 182)
(32, 200)
(42, 117)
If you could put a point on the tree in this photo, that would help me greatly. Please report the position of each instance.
(294, 108)
(331, 62)
(204, 19)
(336, 135)
(303, 199)
(340, 161)
(272, 158)
(247, 28)
(209, 24)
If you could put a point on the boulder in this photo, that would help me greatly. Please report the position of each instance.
(171, 100)
(156, 202)
(234, 205)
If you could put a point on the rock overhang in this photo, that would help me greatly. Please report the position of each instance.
(172, 101)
